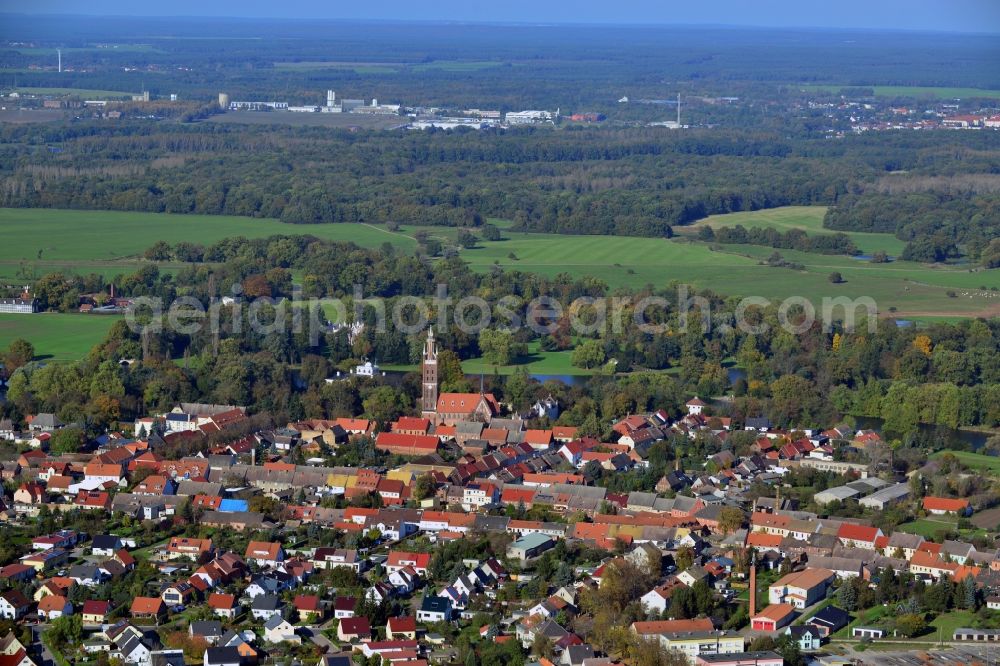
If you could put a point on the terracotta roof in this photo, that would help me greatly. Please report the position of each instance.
(945, 504)
(776, 612)
(147, 606)
(672, 626)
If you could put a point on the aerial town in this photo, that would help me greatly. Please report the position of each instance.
(488, 334)
(485, 535)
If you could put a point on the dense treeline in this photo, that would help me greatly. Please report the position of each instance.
(640, 181)
(793, 239)
(937, 225)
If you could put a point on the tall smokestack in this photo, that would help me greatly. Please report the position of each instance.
(753, 585)
(678, 109)
(59, 52)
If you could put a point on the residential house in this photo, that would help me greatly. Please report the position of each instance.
(265, 606)
(14, 605)
(148, 608)
(434, 609)
(264, 553)
(279, 630)
(223, 605)
(353, 629)
(54, 606)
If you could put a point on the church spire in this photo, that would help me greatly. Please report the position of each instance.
(429, 372)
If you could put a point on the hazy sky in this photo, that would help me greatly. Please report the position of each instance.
(947, 15)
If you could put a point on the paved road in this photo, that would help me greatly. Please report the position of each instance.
(45, 657)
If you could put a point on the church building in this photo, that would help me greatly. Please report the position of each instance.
(450, 408)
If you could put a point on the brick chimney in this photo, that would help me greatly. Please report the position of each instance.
(753, 585)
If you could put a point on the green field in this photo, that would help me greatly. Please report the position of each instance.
(806, 218)
(536, 363)
(81, 92)
(112, 243)
(928, 527)
(974, 460)
(56, 337)
(912, 91)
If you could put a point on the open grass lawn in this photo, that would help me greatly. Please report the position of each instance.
(806, 218)
(556, 363)
(928, 527)
(974, 460)
(56, 336)
(941, 92)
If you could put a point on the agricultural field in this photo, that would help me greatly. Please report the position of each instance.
(112, 243)
(806, 218)
(56, 336)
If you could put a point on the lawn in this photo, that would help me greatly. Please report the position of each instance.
(806, 218)
(929, 527)
(911, 91)
(556, 363)
(80, 235)
(56, 336)
(974, 460)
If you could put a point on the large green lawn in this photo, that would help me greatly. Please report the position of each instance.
(806, 218)
(536, 362)
(978, 461)
(56, 336)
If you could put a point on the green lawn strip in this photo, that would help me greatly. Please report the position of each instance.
(973, 460)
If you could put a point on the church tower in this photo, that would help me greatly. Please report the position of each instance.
(429, 369)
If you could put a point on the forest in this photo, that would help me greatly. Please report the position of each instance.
(638, 182)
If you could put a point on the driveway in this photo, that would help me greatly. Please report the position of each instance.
(45, 657)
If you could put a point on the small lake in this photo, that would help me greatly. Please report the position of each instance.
(973, 438)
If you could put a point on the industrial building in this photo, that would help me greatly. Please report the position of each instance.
(531, 117)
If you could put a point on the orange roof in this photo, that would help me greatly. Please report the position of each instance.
(858, 532)
(922, 558)
(147, 606)
(395, 442)
(776, 612)
(411, 423)
(263, 550)
(515, 495)
(945, 504)
(98, 469)
(564, 432)
(672, 626)
(806, 579)
(764, 540)
(538, 436)
(403, 558)
(222, 601)
(52, 602)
